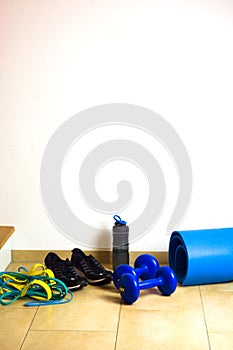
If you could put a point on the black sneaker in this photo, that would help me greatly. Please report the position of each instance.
(64, 271)
(90, 268)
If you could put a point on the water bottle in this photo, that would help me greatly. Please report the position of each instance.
(120, 232)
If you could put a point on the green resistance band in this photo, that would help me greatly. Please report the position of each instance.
(46, 290)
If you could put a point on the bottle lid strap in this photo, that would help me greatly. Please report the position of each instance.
(118, 220)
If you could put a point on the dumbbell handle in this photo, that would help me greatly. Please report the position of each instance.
(140, 270)
(151, 283)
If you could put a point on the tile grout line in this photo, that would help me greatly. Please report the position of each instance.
(118, 324)
(29, 328)
(70, 330)
(203, 310)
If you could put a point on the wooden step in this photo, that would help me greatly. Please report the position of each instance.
(5, 246)
(5, 234)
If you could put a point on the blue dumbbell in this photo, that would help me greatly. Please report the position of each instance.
(145, 267)
(130, 286)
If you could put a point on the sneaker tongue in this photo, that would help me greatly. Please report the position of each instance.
(67, 263)
(79, 252)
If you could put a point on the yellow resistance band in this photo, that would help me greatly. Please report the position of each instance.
(38, 283)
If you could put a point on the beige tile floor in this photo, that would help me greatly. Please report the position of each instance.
(192, 318)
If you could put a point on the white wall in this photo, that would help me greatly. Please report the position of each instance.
(60, 57)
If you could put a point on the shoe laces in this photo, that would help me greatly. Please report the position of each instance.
(65, 267)
(91, 266)
(96, 266)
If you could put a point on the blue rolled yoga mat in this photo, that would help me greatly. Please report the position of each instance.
(202, 256)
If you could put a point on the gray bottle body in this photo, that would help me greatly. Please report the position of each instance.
(120, 245)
